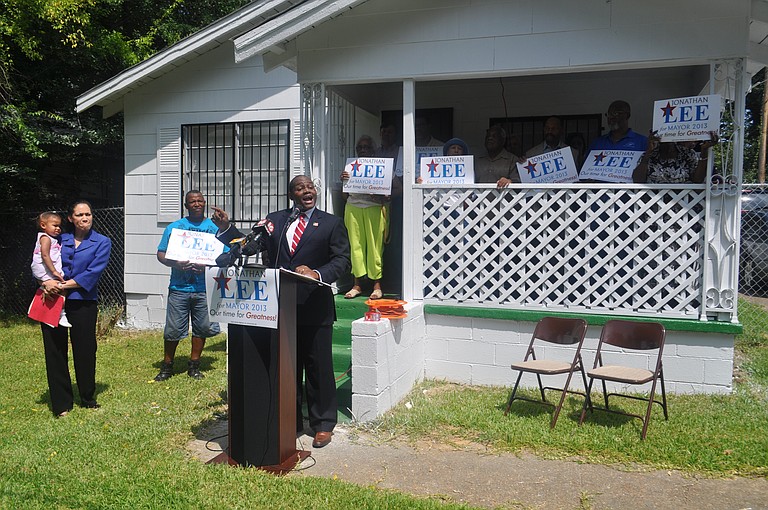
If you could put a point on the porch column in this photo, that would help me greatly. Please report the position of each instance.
(313, 138)
(412, 242)
(723, 219)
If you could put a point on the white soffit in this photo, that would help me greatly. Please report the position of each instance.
(202, 41)
(758, 36)
(273, 35)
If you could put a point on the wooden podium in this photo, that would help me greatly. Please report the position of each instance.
(261, 389)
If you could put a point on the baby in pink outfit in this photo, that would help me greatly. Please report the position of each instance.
(46, 259)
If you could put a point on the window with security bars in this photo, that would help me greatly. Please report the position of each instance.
(241, 167)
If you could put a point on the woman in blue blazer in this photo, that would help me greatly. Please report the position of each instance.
(84, 256)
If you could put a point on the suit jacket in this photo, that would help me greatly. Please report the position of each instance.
(324, 246)
(85, 263)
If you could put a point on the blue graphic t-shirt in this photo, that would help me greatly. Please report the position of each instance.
(180, 280)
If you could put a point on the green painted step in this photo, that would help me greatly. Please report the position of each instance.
(350, 309)
(347, 310)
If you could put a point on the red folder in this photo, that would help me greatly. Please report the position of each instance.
(47, 311)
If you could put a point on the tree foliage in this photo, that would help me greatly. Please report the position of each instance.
(51, 51)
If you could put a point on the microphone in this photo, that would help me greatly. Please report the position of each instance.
(294, 214)
(248, 245)
(254, 241)
(228, 258)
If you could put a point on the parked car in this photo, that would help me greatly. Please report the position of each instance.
(753, 259)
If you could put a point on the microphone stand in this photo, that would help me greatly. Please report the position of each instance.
(294, 214)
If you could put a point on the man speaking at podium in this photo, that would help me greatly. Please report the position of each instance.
(313, 243)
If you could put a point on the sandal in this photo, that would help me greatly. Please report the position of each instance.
(353, 293)
(376, 294)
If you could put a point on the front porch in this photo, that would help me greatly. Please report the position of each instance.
(480, 265)
(656, 251)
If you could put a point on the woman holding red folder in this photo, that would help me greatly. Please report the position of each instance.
(84, 256)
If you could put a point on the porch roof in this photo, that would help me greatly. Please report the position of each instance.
(267, 28)
(109, 94)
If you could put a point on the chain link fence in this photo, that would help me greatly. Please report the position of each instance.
(753, 258)
(18, 235)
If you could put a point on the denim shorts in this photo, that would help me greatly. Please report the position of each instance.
(181, 307)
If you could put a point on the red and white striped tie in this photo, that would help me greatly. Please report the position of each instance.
(299, 231)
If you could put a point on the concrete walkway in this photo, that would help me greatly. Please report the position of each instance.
(470, 474)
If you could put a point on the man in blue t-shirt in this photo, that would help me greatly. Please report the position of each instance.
(186, 293)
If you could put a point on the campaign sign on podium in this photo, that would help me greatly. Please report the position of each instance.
(261, 362)
(243, 295)
(197, 247)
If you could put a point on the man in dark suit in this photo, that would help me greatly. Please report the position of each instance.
(315, 244)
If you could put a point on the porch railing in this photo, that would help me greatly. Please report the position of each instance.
(614, 250)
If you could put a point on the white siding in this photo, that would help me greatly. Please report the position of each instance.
(397, 39)
(209, 89)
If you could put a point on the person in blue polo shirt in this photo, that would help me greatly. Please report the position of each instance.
(620, 137)
(186, 293)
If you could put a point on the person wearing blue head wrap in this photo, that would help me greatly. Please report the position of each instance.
(455, 147)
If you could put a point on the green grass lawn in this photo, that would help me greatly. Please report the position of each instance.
(716, 435)
(131, 452)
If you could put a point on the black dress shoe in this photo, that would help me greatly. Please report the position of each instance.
(321, 439)
(91, 404)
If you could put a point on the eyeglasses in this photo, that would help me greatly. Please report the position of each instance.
(616, 113)
(361, 147)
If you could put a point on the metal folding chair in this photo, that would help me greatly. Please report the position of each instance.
(551, 330)
(629, 336)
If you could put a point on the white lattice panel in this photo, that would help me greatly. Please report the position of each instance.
(604, 250)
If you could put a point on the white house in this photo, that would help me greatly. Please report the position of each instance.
(284, 87)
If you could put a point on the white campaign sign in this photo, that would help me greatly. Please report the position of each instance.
(197, 247)
(686, 118)
(426, 151)
(448, 170)
(610, 166)
(369, 175)
(549, 168)
(243, 295)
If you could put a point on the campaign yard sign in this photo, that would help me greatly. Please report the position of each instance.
(426, 151)
(369, 175)
(549, 168)
(196, 247)
(686, 118)
(456, 170)
(610, 166)
(243, 295)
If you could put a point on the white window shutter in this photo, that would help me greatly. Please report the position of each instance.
(297, 163)
(168, 174)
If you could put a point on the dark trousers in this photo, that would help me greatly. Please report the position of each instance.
(315, 359)
(82, 315)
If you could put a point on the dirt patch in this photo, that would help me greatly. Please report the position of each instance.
(468, 473)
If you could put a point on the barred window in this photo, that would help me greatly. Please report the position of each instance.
(241, 167)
